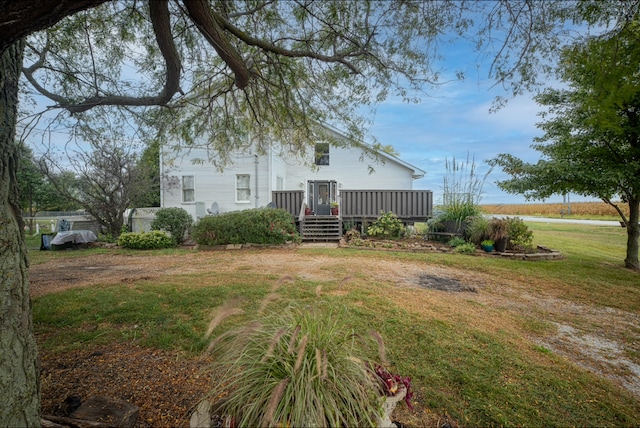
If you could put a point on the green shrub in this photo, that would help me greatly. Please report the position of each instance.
(520, 237)
(299, 367)
(176, 221)
(255, 226)
(465, 248)
(456, 241)
(146, 240)
(460, 212)
(388, 225)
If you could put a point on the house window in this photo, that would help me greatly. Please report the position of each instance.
(322, 154)
(243, 191)
(188, 188)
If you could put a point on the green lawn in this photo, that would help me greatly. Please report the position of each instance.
(472, 357)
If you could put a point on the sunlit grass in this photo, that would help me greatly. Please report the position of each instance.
(468, 359)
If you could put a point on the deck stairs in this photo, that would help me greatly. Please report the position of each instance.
(321, 228)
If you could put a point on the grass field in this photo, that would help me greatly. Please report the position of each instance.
(586, 210)
(497, 357)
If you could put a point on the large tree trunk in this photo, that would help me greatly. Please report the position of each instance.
(633, 230)
(20, 402)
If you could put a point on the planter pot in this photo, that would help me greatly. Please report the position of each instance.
(452, 226)
(388, 406)
(487, 248)
(307, 211)
(334, 210)
(501, 245)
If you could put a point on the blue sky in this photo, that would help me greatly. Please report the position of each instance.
(454, 120)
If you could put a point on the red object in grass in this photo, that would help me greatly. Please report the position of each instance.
(391, 383)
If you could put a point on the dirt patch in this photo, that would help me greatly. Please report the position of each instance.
(167, 386)
(434, 282)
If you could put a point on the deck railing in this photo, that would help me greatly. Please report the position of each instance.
(290, 200)
(408, 205)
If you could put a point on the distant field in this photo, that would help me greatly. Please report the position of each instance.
(580, 209)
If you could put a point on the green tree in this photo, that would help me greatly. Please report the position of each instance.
(591, 144)
(30, 182)
(149, 165)
(37, 193)
(225, 69)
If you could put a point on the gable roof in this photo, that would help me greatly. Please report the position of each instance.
(417, 172)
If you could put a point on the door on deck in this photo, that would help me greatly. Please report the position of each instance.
(321, 194)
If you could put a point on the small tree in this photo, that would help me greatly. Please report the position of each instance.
(176, 221)
(108, 180)
(593, 132)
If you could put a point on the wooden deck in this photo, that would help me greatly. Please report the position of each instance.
(357, 207)
(409, 205)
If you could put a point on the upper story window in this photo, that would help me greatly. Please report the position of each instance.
(243, 190)
(322, 153)
(188, 188)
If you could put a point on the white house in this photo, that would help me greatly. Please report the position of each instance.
(251, 179)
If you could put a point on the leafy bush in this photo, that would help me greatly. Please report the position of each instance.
(176, 221)
(146, 240)
(456, 241)
(296, 367)
(256, 226)
(520, 237)
(388, 225)
(465, 248)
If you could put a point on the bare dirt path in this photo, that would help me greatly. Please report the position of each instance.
(597, 338)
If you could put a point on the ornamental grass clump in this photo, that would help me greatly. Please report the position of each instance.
(297, 366)
(461, 190)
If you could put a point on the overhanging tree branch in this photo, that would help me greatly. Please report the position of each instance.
(270, 47)
(21, 18)
(208, 25)
(159, 12)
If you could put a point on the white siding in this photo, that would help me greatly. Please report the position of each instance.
(345, 167)
(212, 185)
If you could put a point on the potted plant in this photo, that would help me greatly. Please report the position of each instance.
(499, 233)
(487, 245)
(334, 208)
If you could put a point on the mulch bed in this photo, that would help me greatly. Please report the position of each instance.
(166, 386)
